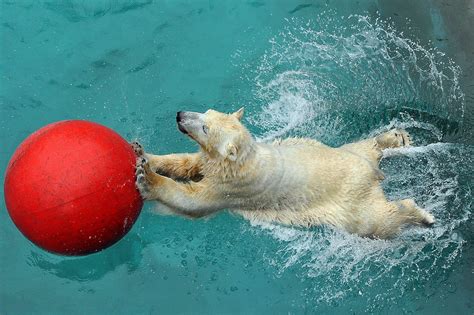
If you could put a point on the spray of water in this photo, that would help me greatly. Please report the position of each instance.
(323, 79)
(340, 79)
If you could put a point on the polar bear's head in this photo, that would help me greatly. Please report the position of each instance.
(220, 135)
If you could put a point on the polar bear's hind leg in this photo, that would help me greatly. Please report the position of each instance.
(413, 214)
(371, 148)
(397, 214)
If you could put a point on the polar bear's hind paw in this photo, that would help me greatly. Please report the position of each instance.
(428, 220)
(394, 138)
(403, 137)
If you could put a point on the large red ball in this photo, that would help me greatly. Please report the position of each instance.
(70, 187)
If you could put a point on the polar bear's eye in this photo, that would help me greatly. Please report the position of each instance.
(205, 129)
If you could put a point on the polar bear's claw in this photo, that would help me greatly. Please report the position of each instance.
(137, 148)
(141, 182)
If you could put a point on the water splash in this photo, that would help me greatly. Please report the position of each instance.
(341, 265)
(339, 83)
(322, 79)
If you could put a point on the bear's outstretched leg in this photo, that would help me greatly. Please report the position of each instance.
(193, 199)
(388, 217)
(177, 166)
(185, 166)
(371, 149)
(412, 214)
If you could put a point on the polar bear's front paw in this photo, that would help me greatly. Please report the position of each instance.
(142, 184)
(394, 138)
(137, 148)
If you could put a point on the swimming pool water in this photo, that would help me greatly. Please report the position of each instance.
(332, 70)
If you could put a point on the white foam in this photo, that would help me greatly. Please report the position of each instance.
(413, 150)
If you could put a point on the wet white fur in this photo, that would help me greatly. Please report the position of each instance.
(294, 181)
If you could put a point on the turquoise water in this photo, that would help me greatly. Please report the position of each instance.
(331, 70)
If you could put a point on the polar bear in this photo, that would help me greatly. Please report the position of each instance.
(295, 181)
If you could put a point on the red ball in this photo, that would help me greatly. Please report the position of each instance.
(70, 187)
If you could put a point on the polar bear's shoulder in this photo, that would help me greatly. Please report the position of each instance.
(296, 141)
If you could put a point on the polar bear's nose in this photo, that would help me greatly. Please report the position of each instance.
(179, 115)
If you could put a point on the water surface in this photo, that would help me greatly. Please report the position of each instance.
(334, 71)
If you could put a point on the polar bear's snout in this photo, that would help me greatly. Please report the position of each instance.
(179, 116)
(179, 119)
(191, 124)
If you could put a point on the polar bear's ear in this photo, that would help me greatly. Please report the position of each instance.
(231, 152)
(228, 151)
(238, 114)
